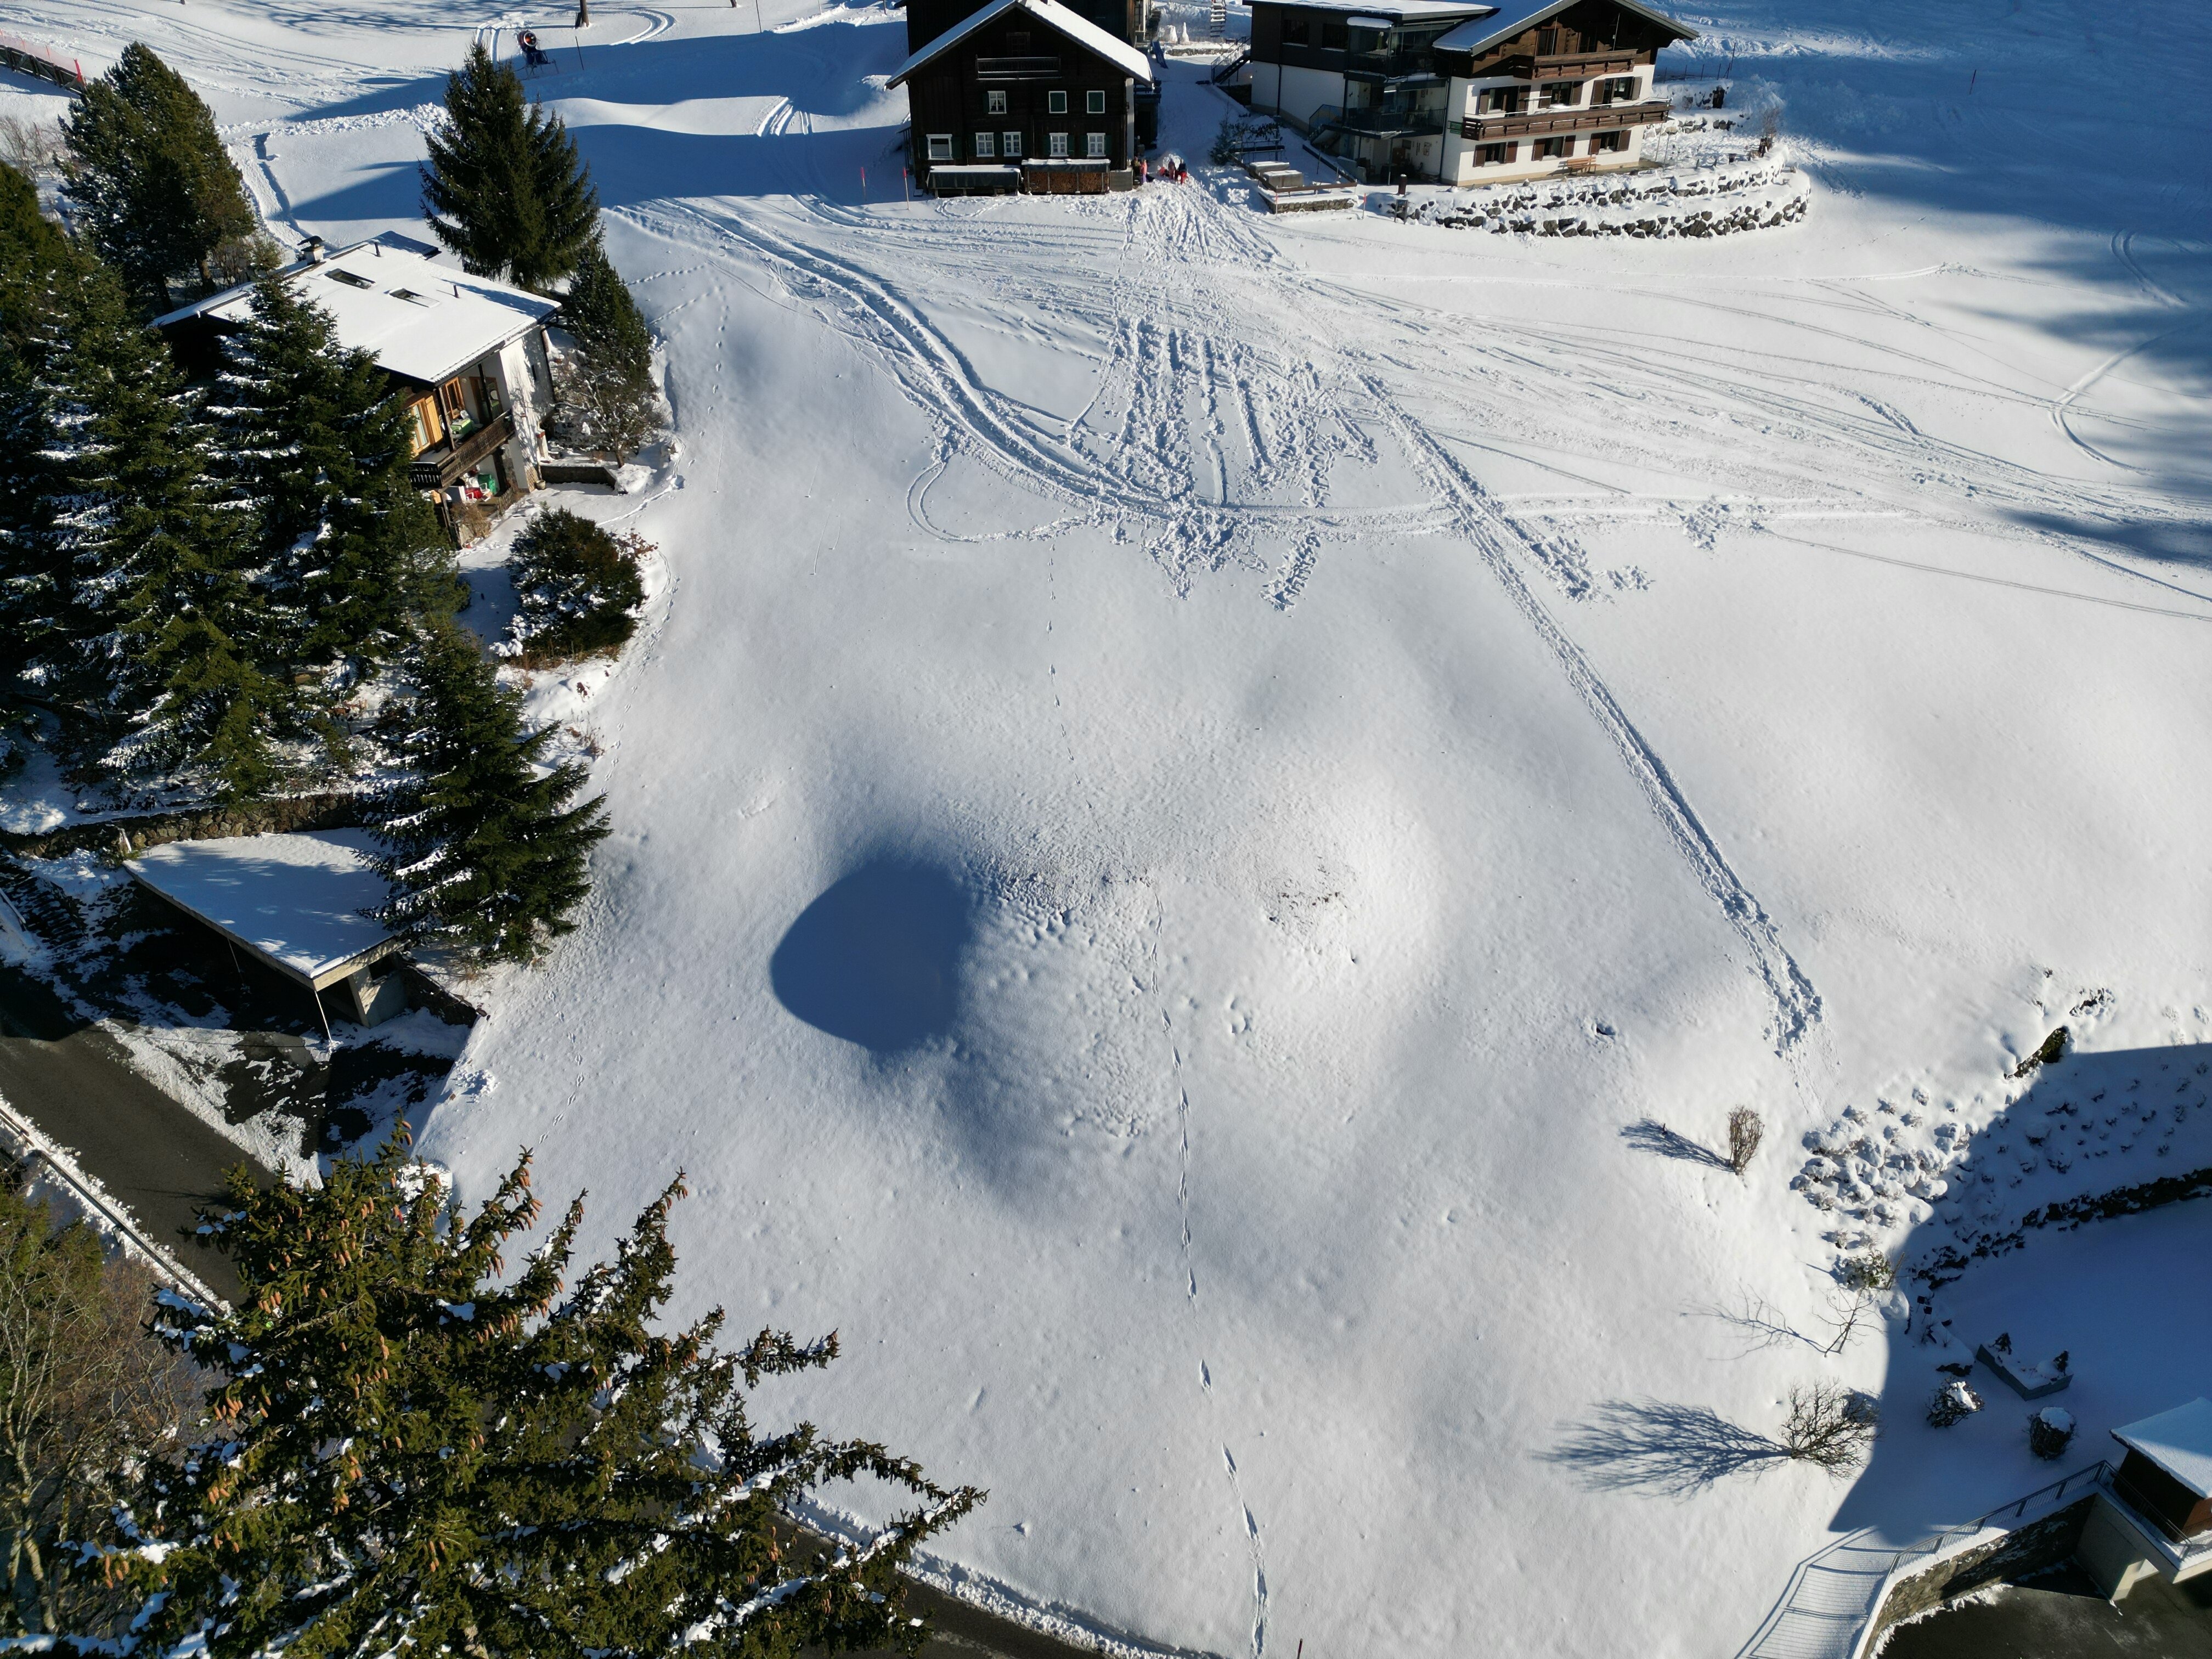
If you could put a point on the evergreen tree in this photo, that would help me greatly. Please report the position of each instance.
(156, 192)
(34, 259)
(413, 1452)
(503, 187)
(486, 852)
(348, 548)
(158, 644)
(608, 398)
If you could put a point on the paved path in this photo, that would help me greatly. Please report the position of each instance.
(73, 1081)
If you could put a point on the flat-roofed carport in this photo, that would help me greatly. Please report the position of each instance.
(301, 904)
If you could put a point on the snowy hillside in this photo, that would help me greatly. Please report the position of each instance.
(1325, 726)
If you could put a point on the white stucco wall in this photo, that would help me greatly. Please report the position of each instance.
(1459, 162)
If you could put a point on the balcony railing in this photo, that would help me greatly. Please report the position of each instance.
(1606, 117)
(1377, 121)
(1400, 65)
(1564, 66)
(441, 464)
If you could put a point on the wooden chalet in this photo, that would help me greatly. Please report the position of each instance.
(1463, 93)
(470, 350)
(1023, 95)
(2167, 1472)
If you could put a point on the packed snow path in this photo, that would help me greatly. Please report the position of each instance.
(1196, 772)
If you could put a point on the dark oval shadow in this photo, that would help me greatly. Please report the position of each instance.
(876, 960)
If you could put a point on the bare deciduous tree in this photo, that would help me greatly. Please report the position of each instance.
(29, 146)
(1830, 1427)
(84, 1390)
(1745, 1133)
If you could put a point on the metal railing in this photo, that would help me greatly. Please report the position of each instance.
(1833, 1595)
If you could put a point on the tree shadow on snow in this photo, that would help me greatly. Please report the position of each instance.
(1650, 1135)
(1658, 1446)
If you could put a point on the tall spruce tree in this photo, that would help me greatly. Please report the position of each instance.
(155, 192)
(486, 850)
(412, 1451)
(159, 645)
(606, 391)
(35, 258)
(503, 187)
(348, 548)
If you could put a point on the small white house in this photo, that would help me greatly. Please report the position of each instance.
(471, 349)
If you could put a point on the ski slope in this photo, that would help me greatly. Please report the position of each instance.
(1194, 777)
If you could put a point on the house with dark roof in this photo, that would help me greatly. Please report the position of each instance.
(1462, 91)
(1022, 94)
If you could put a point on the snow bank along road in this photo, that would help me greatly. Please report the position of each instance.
(1199, 770)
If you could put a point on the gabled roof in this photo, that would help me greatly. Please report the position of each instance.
(1397, 11)
(2179, 1441)
(295, 900)
(1503, 23)
(1082, 31)
(420, 320)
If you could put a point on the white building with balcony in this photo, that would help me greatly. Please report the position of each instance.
(1463, 93)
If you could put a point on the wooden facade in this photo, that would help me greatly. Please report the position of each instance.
(2182, 1512)
(1019, 100)
(1429, 92)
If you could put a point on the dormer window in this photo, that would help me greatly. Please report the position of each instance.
(351, 280)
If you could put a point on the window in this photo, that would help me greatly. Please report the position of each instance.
(1621, 91)
(1017, 41)
(1055, 103)
(412, 297)
(1055, 143)
(1094, 103)
(986, 146)
(1547, 43)
(1010, 145)
(1500, 100)
(1295, 32)
(1548, 149)
(941, 146)
(995, 103)
(1094, 145)
(1560, 94)
(350, 280)
(1608, 142)
(1491, 156)
(1335, 35)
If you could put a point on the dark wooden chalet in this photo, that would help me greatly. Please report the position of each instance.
(2167, 1474)
(1022, 94)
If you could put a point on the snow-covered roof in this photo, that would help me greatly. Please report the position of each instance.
(1080, 30)
(2179, 1441)
(419, 319)
(296, 901)
(1402, 11)
(1503, 23)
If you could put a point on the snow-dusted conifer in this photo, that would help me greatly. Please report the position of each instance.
(606, 390)
(504, 188)
(412, 1451)
(486, 847)
(318, 440)
(162, 663)
(156, 193)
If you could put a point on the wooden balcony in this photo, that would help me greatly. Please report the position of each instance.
(1605, 118)
(441, 464)
(1565, 66)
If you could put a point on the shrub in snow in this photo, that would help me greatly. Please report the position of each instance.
(2050, 1431)
(1955, 1402)
(1869, 1270)
(1830, 1427)
(1745, 1133)
(578, 588)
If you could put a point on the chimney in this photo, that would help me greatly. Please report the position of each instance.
(313, 250)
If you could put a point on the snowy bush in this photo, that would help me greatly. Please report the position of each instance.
(1955, 1402)
(579, 590)
(1870, 1271)
(1830, 1427)
(2050, 1431)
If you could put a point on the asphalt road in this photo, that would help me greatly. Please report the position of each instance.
(75, 1085)
(74, 1082)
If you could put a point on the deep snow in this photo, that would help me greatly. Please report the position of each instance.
(1336, 721)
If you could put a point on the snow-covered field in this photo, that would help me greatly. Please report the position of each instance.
(1319, 725)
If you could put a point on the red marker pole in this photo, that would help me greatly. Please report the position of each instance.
(864, 184)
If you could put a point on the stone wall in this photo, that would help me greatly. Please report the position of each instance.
(2031, 1549)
